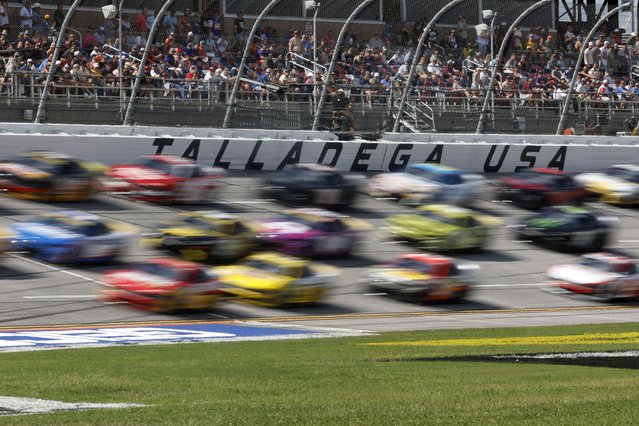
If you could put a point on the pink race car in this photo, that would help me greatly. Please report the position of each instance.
(311, 232)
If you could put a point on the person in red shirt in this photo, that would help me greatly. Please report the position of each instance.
(141, 22)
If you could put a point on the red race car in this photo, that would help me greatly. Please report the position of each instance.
(166, 179)
(163, 285)
(535, 188)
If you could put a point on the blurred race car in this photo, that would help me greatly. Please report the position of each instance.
(204, 235)
(535, 188)
(308, 184)
(68, 236)
(50, 176)
(310, 232)
(567, 228)
(166, 179)
(163, 285)
(618, 184)
(427, 183)
(442, 227)
(275, 280)
(603, 275)
(422, 277)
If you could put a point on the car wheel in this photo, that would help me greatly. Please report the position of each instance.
(600, 242)
(608, 293)
(280, 299)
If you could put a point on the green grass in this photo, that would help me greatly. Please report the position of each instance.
(328, 381)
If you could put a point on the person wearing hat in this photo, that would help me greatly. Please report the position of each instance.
(343, 118)
(27, 75)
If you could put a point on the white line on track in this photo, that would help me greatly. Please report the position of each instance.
(507, 285)
(54, 268)
(62, 296)
(628, 241)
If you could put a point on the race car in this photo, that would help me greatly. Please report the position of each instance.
(275, 280)
(618, 184)
(203, 236)
(535, 188)
(166, 179)
(427, 183)
(68, 236)
(313, 184)
(50, 176)
(310, 232)
(441, 227)
(567, 228)
(605, 276)
(163, 285)
(422, 277)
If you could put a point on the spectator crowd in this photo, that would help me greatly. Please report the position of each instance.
(193, 53)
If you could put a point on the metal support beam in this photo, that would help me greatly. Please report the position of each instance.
(145, 56)
(231, 101)
(418, 53)
(502, 49)
(580, 60)
(51, 64)
(331, 67)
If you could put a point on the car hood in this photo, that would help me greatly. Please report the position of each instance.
(421, 224)
(402, 182)
(35, 231)
(398, 275)
(23, 171)
(184, 231)
(609, 182)
(141, 175)
(140, 281)
(250, 278)
(284, 229)
(581, 275)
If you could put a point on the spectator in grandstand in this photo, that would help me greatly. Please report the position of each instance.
(26, 15)
(141, 24)
(238, 26)
(342, 110)
(4, 15)
(58, 16)
(169, 23)
(462, 30)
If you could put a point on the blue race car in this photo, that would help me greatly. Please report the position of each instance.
(70, 236)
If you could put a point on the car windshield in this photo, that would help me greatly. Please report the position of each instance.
(265, 266)
(456, 221)
(412, 264)
(597, 264)
(622, 173)
(160, 270)
(223, 226)
(52, 167)
(533, 177)
(89, 228)
(154, 163)
(182, 170)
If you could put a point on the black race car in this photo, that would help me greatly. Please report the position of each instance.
(313, 184)
(567, 228)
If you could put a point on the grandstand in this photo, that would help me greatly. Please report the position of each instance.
(195, 55)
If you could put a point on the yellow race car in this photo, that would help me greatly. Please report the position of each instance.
(203, 236)
(50, 176)
(275, 280)
(618, 184)
(441, 227)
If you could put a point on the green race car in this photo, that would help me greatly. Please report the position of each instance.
(441, 227)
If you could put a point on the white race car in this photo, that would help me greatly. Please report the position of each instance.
(427, 183)
(605, 276)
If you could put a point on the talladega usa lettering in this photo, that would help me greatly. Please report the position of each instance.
(368, 156)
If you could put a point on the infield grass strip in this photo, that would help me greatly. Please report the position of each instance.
(332, 382)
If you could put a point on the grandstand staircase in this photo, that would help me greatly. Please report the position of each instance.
(418, 116)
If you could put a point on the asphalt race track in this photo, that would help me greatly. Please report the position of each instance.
(509, 292)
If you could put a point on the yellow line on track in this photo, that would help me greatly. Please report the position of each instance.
(327, 317)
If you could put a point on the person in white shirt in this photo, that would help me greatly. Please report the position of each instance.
(26, 15)
(4, 13)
